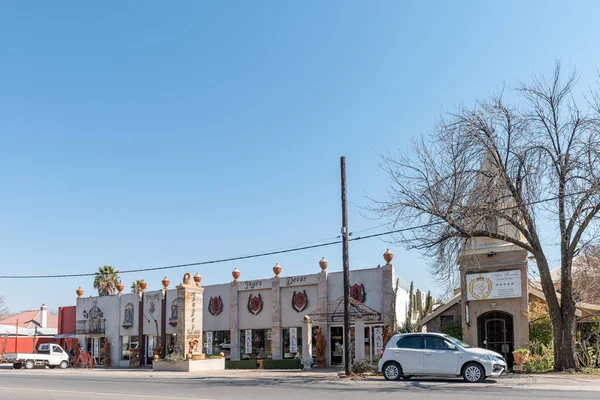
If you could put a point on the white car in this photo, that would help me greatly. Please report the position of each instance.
(411, 354)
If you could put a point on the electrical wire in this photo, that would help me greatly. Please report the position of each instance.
(267, 253)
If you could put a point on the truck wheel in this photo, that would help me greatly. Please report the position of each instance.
(17, 365)
(29, 364)
(63, 364)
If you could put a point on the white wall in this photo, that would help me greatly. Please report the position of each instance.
(110, 307)
(247, 320)
(290, 317)
(152, 311)
(171, 296)
(216, 322)
(134, 299)
(370, 278)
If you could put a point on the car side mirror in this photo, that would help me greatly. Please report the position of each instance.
(452, 347)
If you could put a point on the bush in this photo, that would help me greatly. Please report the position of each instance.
(454, 329)
(241, 364)
(521, 351)
(363, 367)
(173, 358)
(540, 326)
(283, 364)
(541, 358)
(213, 357)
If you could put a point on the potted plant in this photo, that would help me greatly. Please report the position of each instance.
(520, 356)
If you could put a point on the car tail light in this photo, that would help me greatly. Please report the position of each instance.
(381, 355)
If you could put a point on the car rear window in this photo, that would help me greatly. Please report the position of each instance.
(409, 342)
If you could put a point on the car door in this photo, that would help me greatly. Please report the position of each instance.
(409, 353)
(440, 356)
(57, 355)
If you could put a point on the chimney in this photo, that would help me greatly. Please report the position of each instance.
(44, 316)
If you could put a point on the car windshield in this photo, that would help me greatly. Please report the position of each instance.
(457, 342)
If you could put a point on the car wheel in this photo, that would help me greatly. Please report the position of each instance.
(29, 364)
(392, 371)
(473, 373)
(406, 377)
(63, 364)
(17, 365)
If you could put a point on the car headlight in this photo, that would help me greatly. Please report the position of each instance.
(492, 357)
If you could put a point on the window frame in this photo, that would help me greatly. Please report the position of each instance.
(421, 344)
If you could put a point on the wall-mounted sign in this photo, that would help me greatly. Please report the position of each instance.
(293, 340)
(255, 285)
(300, 280)
(248, 341)
(378, 338)
(358, 293)
(494, 285)
(299, 301)
(255, 304)
(215, 305)
(209, 342)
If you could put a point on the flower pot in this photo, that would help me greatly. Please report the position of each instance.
(79, 292)
(520, 358)
(236, 274)
(120, 287)
(323, 263)
(165, 282)
(277, 269)
(388, 256)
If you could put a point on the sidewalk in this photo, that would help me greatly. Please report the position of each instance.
(559, 382)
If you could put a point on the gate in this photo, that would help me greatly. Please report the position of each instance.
(495, 332)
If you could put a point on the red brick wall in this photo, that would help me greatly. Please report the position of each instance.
(66, 319)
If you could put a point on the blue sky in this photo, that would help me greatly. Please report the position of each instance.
(141, 134)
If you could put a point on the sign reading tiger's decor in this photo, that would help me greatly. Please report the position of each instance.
(494, 285)
(255, 304)
(357, 292)
(299, 301)
(215, 305)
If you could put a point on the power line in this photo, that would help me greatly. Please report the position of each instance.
(267, 253)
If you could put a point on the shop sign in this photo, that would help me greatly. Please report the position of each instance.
(248, 341)
(255, 304)
(95, 346)
(209, 342)
(494, 285)
(293, 340)
(358, 293)
(215, 305)
(378, 337)
(299, 301)
(301, 280)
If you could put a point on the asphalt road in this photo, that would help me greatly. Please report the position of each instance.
(49, 385)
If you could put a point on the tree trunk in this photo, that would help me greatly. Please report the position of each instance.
(564, 342)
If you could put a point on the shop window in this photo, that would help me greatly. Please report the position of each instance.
(128, 343)
(171, 343)
(255, 344)
(216, 342)
(291, 348)
(446, 320)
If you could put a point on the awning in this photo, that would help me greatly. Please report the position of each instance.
(334, 312)
(65, 336)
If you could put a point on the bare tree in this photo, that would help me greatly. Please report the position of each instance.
(3, 309)
(586, 276)
(496, 171)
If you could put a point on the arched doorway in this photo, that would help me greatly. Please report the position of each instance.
(495, 331)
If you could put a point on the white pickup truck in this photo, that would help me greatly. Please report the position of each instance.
(49, 354)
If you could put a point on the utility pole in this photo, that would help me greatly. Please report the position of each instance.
(346, 264)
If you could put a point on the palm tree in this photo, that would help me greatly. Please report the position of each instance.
(106, 280)
(135, 286)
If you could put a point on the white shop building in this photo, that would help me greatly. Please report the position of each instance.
(258, 319)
